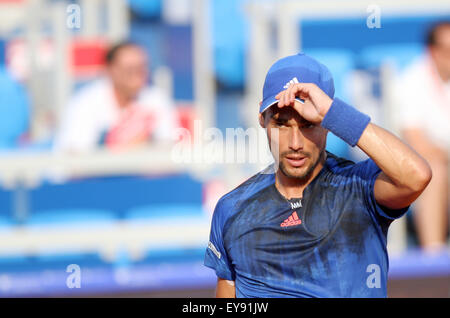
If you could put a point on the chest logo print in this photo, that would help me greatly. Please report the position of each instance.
(291, 220)
(296, 205)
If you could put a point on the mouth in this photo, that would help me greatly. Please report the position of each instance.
(296, 161)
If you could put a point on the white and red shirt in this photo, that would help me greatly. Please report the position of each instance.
(423, 101)
(93, 115)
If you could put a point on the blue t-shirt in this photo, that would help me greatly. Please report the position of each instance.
(329, 243)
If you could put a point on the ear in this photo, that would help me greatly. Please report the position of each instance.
(262, 121)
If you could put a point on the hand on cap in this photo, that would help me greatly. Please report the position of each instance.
(316, 103)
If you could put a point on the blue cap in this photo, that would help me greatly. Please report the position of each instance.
(298, 68)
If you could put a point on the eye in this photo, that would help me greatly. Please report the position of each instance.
(309, 125)
(280, 123)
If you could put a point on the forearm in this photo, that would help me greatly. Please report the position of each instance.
(404, 166)
(405, 174)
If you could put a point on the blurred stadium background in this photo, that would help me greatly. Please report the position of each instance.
(135, 222)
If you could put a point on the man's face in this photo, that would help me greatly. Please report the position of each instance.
(129, 70)
(296, 144)
(440, 52)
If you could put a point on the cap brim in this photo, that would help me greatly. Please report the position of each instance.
(272, 101)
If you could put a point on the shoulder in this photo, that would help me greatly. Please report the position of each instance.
(338, 165)
(93, 88)
(334, 162)
(349, 169)
(93, 93)
(414, 74)
(152, 96)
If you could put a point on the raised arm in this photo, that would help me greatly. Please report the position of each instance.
(405, 174)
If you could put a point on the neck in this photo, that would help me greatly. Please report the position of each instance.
(291, 187)
(444, 76)
(123, 100)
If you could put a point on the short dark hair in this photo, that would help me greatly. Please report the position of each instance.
(430, 39)
(114, 50)
(268, 112)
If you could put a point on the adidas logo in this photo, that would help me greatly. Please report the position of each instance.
(292, 81)
(292, 220)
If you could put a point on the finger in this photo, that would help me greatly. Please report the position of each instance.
(285, 95)
(280, 99)
(293, 93)
(290, 94)
(283, 99)
(302, 91)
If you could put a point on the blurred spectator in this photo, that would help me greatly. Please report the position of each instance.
(14, 111)
(119, 110)
(423, 104)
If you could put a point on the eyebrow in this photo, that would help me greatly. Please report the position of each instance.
(284, 119)
(280, 118)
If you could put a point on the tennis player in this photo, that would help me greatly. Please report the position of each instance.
(313, 224)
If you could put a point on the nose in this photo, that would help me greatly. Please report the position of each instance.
(296, 140)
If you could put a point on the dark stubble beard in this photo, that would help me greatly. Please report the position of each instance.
(304, 176)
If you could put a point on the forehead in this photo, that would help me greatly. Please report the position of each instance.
(443, 34)
(286, 113)
(130, 53)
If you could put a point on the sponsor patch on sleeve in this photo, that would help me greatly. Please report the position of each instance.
(214, 250)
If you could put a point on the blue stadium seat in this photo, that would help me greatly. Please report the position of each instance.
(49, 260)
(6, 224)
(107, 193)
(64, 217)
(173, 255)
(150, 36)
(165, 211)
(229, 66)
(15, 263)
(178, 46)
(60, 260)
(167, 45)
(229, 42)
(145, 8)
(340, 63)
(14, 110)
(2, 52)
(399, 54)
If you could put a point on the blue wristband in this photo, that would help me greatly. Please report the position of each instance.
(345, 121)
